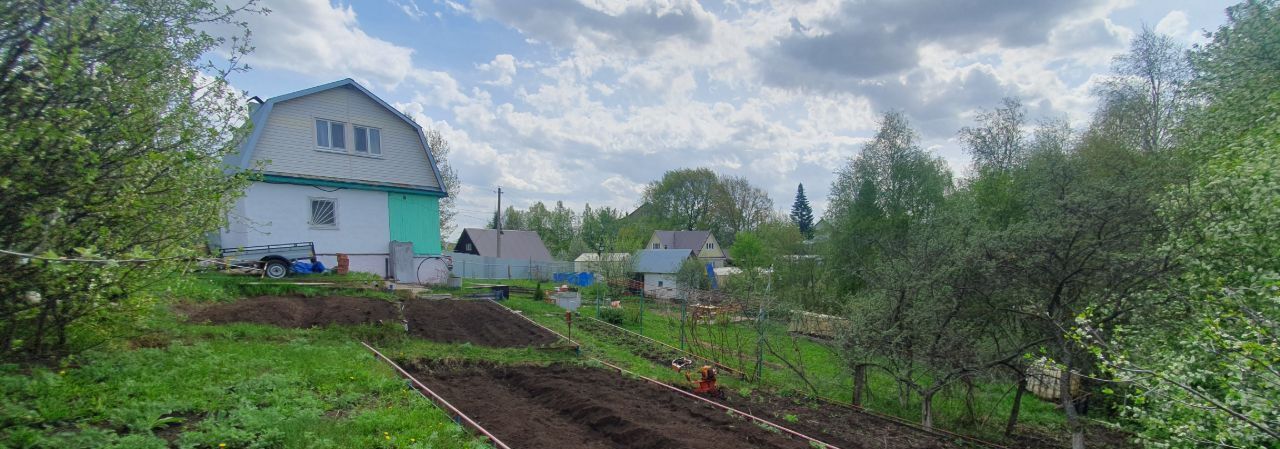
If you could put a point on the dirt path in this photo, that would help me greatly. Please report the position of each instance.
(477, 322)
(574, 407)
(296, 311)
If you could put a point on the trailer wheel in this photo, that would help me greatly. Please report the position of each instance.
(276, 269)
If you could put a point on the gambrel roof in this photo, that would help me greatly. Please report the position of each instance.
(259, 119)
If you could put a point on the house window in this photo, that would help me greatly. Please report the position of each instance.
(710, 246)
(368, 140)
(655, 246)
(469, 247)
(331, 134)
(324, 213)
(659, 283)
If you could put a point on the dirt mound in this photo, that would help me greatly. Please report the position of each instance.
(567, 406)
(298, 312)
(477, 322)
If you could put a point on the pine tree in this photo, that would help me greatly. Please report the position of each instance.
(802, 214)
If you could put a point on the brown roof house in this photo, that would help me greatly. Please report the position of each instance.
(525, 245)
(702, 243)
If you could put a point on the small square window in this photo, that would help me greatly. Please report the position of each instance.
(655, 246)
(324, 213)
(659, 283)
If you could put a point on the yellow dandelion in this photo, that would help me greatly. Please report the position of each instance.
(222, 444)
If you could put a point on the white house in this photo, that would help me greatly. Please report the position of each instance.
(702, 243)
(341, 168)
(659, 268)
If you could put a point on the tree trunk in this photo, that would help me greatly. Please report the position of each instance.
(1069, 407)
(859, 383)
(971, 414)
(1017, 406)
(926, 408)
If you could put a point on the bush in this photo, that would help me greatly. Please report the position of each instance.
(539, 294)
(613, 316)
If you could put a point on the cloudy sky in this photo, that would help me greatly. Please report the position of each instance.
(585, 101)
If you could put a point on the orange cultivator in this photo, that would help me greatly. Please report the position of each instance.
(706, 384)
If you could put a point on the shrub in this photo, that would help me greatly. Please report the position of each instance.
(613, 316)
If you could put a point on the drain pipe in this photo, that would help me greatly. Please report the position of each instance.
(439, 401)
(726, 408)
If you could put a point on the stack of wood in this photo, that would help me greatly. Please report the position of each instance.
(816, 324)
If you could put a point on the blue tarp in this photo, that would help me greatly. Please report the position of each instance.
(583, 279)
(304, 267)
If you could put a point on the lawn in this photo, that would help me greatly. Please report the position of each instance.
(232, 386)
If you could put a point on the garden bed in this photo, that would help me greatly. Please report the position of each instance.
(562, 406)
(479, 322)
(296, 312)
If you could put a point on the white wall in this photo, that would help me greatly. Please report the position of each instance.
(279, 213)
(666, 291)
(288, 141)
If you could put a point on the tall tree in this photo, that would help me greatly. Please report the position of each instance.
(1205, 367)
(999, 141)
(452, 184)
(890, 186)
(684, 198)
(1145, 99)
(801, 213)
(115, 125)
(740, 207)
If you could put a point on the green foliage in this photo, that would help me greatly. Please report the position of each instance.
(131, 125)
(613, 316)
(1205, 368)
(749, 252)
(539, 294)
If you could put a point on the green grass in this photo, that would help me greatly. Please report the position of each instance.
(242, 385)
(821, 364)
(223, 287)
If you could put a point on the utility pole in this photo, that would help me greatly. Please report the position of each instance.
(498, 222)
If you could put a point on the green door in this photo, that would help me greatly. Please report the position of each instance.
(415, 218)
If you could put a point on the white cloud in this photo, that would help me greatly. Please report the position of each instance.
(315, 38)
(503, 67)
(409, 8)
(1175, 24)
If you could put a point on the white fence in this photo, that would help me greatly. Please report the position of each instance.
(481, 267)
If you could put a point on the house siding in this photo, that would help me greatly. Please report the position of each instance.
(280, 213)
(666, 291)
(287, 145)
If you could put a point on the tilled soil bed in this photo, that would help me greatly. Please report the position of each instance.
(833, 424)
(477, 322)
(559, 406)
(297, 312)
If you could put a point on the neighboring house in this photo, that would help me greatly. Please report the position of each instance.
(597, 262)
(659, 268)
(339, 167)
(702, 243)
(520, 245)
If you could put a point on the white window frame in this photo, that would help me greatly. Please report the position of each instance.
(368, 141)
(311, 213)
(709, 246)
(329, 135)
